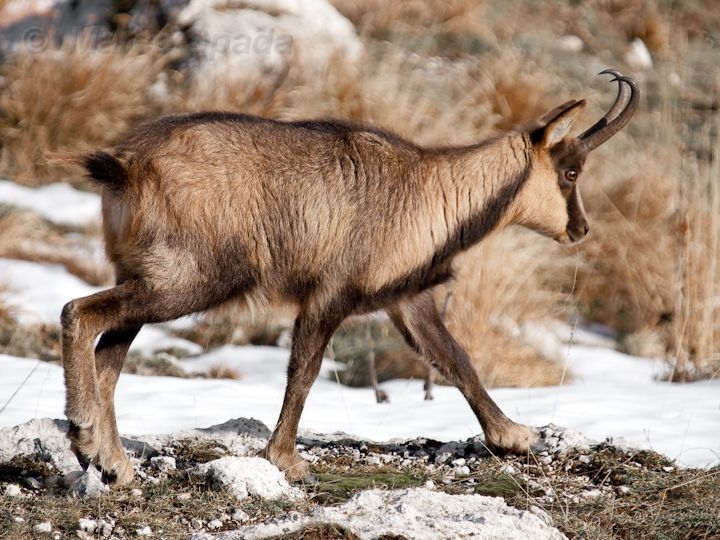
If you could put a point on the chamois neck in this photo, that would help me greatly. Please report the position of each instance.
(479, 185)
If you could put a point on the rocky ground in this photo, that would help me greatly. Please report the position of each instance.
(208, 483)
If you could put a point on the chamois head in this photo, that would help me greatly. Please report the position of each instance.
(551, 203)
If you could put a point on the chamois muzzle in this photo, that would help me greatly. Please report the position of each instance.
(619, 114)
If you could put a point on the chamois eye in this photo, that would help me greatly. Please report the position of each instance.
(571, 175)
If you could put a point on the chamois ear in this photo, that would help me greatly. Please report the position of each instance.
(555, 125)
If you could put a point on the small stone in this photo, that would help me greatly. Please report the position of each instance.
(214, 524)
(87, 484)
(106, 529)
(145, 531)
(135, 492)
(585, 459)
(164, 463)
(508, 469)
(196, 524)
(668, 469)
(44, 527)
(184, 497)
(18, 519)
(638, 56)
(32, 482)
(87, 525)
(429, 484)
(571, 43)
(624, 490)
(592, 494)
(459, 462)
(462, 471)
(240, 516)
(13, 490)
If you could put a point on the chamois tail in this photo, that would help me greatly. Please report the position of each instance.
(104, 169)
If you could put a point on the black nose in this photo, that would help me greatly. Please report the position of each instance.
(586, 228)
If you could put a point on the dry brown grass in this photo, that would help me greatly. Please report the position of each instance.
(627, 281)
(7, 312)
(652, 259)
(261, 97)
(695, 326)
(224, 371)
(503, 280)
(379, 18)
(26, 236)
(67, 97)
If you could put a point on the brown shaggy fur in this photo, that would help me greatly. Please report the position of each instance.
(331, 218)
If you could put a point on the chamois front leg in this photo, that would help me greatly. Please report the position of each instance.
(310, 337)
(419, 322)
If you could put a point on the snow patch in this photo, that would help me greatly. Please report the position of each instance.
(58, 203)
(417, 513)
(39, 291)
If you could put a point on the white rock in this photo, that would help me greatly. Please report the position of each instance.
(592, 494)
(44, 527)
(87, 525)
(241, 436)
(164, 463)
(559, 439)
(144, 531)
(638, 56)
(571, 43)
(244, 476)
(262, 38)
(214, 524)
(239, 515)
(41, 437)
(87, 484)
(12, 490)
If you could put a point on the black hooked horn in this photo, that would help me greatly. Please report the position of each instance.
(619, 114)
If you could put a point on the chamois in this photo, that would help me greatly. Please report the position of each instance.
(332, 218)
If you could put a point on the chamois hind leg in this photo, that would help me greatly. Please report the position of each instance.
(420, 323)
(110, 354)
(89, 389)
(310, 337)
